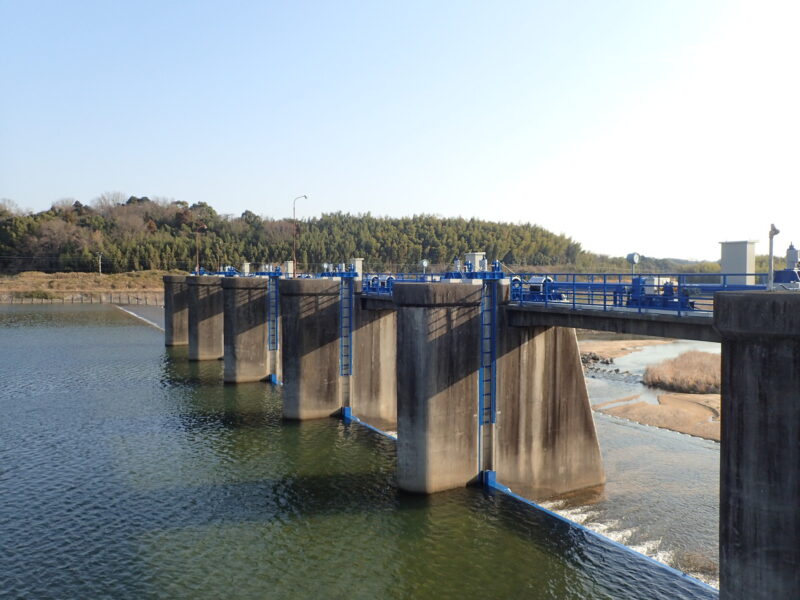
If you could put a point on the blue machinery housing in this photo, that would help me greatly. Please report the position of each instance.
(678, 293)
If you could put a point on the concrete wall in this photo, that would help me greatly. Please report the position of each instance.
(760, 446)
(374, 380)
(176, 310)
(245, 329)
(310, 347)
(437, 374)
(205, 318)
(546, 442)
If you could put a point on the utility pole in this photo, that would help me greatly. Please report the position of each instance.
(100, 262)
(200, 227)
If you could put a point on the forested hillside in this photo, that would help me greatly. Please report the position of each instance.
(138, 233)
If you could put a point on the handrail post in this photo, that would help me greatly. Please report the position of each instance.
(573, 291)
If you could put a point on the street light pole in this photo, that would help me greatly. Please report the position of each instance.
(200, 227)
(773, 231)
(294, 237)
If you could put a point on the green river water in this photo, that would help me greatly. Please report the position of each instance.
(128, 472)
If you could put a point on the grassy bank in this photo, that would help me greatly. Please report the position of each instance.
(690, 373)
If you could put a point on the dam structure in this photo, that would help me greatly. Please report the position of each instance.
(484, 385)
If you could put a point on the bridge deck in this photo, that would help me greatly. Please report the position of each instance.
(655, 323)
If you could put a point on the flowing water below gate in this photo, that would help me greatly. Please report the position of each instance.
(661, 496)
(128, 472)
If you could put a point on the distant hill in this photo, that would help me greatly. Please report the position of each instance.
(137, 233)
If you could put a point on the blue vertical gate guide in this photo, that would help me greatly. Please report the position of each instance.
(346, 299)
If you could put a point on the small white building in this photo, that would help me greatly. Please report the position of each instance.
(739, 258)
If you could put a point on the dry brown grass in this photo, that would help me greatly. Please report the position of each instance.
(691, 373)
(34, 281)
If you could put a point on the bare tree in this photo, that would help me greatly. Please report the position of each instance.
(9, 208)
(105, 202)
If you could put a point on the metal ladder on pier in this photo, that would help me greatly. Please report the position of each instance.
(346, 299)
(273, 312)
(487, 381)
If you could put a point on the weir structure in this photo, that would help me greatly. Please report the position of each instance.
(481, 388)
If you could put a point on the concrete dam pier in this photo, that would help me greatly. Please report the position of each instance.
(542, 439)
(205, 318)
(176, 310)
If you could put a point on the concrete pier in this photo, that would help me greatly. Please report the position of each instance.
(176, 311)
(205, 317)
(373, 387)
(545, 439)
(245, 329)
(310, 348)
(760, 446)
(437, 366)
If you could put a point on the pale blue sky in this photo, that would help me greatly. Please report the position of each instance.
(660, 126)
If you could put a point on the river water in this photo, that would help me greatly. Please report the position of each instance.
(128, 472)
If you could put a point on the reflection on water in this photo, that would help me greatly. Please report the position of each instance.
(128, 472)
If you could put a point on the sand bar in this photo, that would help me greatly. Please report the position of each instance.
(617, 348)
(695, 414)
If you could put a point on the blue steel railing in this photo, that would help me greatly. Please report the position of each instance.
(677, 293)
(674, 293)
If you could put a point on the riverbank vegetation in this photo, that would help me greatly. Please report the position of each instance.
(34, 284)
(129, 233)
(692, 372)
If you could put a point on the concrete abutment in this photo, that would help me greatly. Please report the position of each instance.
(759, 532)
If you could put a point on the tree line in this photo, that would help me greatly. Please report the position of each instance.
(137, 233)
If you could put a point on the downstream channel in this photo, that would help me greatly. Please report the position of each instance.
(661, 496)
(128, 472)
